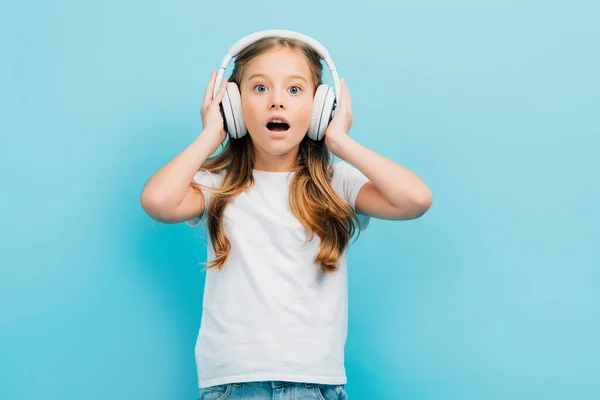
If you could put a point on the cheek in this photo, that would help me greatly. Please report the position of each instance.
(303, 114)
(250, 114)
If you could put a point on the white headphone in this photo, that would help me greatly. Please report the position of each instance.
(324, 99)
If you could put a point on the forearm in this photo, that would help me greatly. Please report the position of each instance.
(167, 186)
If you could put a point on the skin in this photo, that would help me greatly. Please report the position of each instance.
(393, 192)
(277, 82)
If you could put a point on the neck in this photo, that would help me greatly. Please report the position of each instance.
(275, 162)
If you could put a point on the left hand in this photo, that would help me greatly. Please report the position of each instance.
(339, 127)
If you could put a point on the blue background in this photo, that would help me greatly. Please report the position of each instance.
(493, 294)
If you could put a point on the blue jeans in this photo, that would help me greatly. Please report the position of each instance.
(269, 390)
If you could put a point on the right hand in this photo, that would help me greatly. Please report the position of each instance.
(212, 121)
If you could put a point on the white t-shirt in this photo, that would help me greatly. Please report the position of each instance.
(271, 313)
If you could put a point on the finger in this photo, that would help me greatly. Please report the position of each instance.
(342, 101)
(209, 87)
(347, 99)
(221, 93)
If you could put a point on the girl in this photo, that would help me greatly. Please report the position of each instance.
(280, 216)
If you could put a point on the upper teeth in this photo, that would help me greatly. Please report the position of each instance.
(278, 121)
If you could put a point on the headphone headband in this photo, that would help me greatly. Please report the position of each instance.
(253, 37)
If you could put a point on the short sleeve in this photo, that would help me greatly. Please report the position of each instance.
(206, 178)
(347, 181)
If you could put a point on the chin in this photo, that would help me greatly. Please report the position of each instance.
(278, 149)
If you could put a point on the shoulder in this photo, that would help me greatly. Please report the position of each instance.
(340, 169)
(344, 171)
(347, 180)
(209, 178)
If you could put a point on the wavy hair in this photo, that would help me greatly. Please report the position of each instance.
(311, 198)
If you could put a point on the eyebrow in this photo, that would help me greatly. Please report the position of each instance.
(289, 76)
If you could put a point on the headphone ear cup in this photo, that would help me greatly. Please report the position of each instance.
(323, 107)
(231, 109)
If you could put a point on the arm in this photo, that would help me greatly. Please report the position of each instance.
(168, 195)
(393, 191)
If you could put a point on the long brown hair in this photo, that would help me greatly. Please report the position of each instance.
(312, 199)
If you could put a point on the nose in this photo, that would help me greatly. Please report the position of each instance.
(277, 100)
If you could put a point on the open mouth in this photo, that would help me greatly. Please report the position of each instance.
(277, 125)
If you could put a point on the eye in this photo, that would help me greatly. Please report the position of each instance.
(298, 89)
(260, 88)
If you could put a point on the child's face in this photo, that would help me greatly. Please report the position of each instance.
(277, 83)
